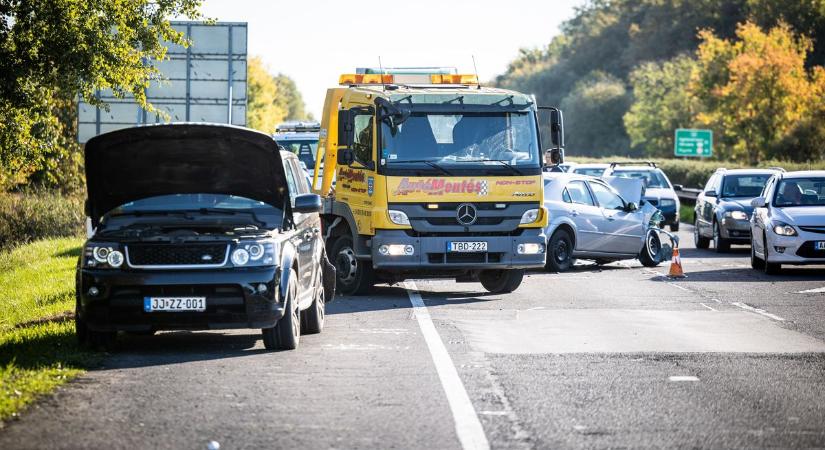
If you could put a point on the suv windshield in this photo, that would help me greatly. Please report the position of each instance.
(653, 178)
(744, 185)
(192, 202)
(800, 192)
(459, 141)
(305, 150)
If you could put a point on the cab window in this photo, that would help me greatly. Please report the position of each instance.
(576, 192)
(607, 198)
(362, 140)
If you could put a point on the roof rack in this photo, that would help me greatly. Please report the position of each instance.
(633, 163)
(781, 169)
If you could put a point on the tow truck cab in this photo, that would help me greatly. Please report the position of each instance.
(436, 176)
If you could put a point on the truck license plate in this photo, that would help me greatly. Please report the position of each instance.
(174, 304)
(466, 247)
(820, 245)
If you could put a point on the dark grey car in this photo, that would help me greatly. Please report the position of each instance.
(723, 208)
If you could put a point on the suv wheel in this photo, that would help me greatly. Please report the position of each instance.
(286, 334)
(699, 241)
(501, 281)
(313, 318)
(720, 244)
(559, 251)
(94, 340)
(354, 277)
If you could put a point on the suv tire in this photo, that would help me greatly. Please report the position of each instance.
(313, 317)
(286, 334)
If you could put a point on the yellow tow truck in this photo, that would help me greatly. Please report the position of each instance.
(427, 174)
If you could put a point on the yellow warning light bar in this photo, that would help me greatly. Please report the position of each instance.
(453, 79)
(365, 78)
(350, 79)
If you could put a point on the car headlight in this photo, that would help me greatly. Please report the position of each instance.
(529, 216)
(783, 229)
(398, 217)
(254, 253)
(667, 202)
(102, 256)
(737, 215)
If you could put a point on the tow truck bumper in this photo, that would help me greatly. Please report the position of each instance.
(431, 253)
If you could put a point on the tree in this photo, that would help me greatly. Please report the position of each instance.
(754, 89)
(661, 104)
(51, 51)
(593, 114)
(272, 99)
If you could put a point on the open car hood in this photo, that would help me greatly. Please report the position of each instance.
(631, 189)
(147, 161)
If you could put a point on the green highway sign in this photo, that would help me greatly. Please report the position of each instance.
(693, 142)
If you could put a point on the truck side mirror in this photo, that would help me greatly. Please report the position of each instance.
(345, 135)
(557, 128)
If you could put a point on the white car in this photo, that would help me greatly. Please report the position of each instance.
(788, 221)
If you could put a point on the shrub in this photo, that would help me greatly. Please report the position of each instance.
(31, 215)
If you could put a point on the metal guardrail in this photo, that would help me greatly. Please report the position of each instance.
(687, 195)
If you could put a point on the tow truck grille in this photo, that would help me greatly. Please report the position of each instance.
(159, 255)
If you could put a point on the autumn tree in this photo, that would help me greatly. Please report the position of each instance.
(272, 99)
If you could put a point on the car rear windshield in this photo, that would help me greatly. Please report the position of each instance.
(744, 185)
(653, 178)
(190, 202)
(800, 192)
(305, 150)
(591, 171)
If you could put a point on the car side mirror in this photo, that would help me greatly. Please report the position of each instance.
(630, 207)
(678, 187)
(710, 193)
(758, 202)
(307, 203)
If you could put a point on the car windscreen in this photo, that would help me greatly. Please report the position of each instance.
(305, 150)
(744, 185)
(800, 192)
(193, 202)
(653, 179)
(458, 141)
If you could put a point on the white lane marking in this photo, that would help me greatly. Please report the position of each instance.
(683, 378)
(812, 291)
(757, 311)
(467, 426)
(680, 287)
(493, 413)
(706, 306)
(395, 331)
(535, 309)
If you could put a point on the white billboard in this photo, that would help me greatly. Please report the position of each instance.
(205, 82)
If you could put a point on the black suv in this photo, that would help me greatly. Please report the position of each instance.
(723, 208)
(199, 226)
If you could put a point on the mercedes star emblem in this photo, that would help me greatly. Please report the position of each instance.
(466, 214)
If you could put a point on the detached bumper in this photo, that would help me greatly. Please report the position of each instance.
(233, 299)
(430, 253)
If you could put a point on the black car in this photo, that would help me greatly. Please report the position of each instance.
(723, 208)
(199, 227)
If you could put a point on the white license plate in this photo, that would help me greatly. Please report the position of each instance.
(820, 245)
(466, 247)
(152, 304)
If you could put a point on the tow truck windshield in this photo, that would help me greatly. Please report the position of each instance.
(504, 143)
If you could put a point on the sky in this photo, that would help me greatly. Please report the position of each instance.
(314, 41)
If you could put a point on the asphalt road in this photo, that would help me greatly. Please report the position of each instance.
(614, 356)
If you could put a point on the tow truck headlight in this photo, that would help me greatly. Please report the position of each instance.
(398, 217)
(396, 250)
(737, 215)
(783, 229)
(529, 216)
(530, 249)
(102, 256)
(255, 253)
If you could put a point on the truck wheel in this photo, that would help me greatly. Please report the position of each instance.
(501, 281)
(286, 334)
(649, 256)
(354, 277)
(698, 240)
(313, 318)
(721, 244)
(559, 251)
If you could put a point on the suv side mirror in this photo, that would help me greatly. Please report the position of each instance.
(307, 203)
(557, 128)
(710, 193)
(759, 202)
(678, 187)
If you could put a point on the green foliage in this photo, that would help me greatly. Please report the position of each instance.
(33, 215)
(593, 112)
(662, 104)
(52, 50)
(38, 351)
(272, 98)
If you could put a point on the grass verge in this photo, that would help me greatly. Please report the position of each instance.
(686, 213)
(38, 351)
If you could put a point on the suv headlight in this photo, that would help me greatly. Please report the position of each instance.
(398, 217)
(529, 216)
(98, 255)
(783, 229)
(737, 215)
(254, 253)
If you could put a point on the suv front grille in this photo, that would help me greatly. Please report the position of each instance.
(173, 255)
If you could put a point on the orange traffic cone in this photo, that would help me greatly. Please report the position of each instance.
(676, 265)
